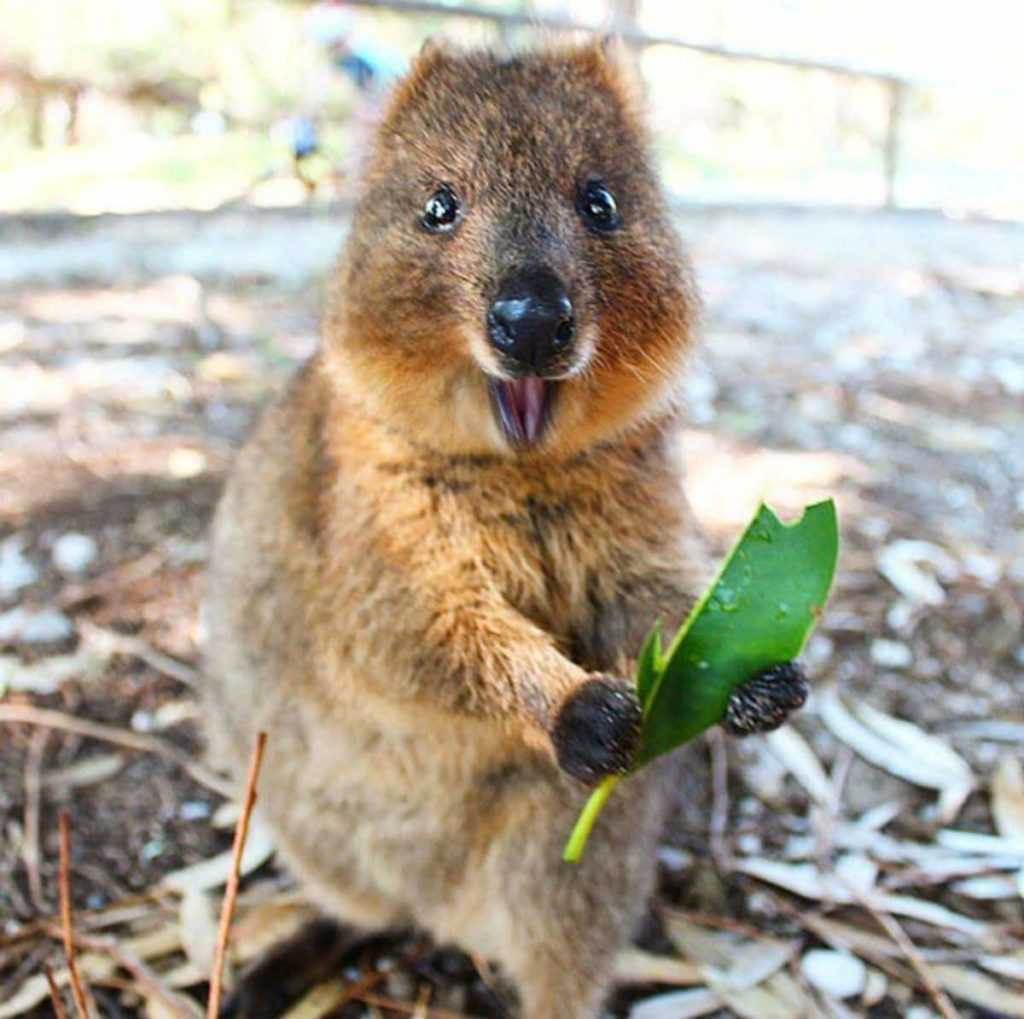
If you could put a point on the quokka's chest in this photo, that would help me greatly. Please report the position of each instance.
(580, 569)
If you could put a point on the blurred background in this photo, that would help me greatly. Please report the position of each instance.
(175, 180)
(122, 106)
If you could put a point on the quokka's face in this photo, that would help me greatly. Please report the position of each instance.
(512, 283)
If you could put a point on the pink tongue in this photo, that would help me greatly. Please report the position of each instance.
(527, 398)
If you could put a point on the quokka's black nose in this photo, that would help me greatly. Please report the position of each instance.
(531, 320)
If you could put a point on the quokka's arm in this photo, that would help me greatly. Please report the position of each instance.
(474, 653)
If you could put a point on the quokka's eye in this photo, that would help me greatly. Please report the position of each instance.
(597, 205)
(441, 211)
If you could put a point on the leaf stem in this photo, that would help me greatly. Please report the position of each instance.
(573, 851)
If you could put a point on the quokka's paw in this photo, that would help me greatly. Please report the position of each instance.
(766, 701)
(597, 729)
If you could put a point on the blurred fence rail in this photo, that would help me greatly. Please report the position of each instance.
(35, 87)
(895, 85)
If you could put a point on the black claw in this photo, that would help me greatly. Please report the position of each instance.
(597, 730)
(766, 701)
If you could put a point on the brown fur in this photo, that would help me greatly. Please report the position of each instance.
(404, 602)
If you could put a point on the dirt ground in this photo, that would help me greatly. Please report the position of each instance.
(876, 358)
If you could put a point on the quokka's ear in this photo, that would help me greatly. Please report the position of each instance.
(435, 50)
(434, 53)
(619, 65)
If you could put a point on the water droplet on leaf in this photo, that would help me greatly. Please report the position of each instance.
(725, 600)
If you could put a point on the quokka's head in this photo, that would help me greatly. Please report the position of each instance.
(512, 282)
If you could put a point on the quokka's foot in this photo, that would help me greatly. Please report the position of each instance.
(766, 701)
(276, 980)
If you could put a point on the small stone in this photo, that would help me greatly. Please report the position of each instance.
(901, 616)
(453, 997)
(674, 859)
(837, 974)
(818, 651)
(24, 626)
(153, 849)
(16, 571)
(875, 988)
(891, 654)
(185, 463)
(47, 626)
(749, 843)
(762, 905)
(11, 624)
(194, 810)
(401, 986)
(857, 871)
(74, 553)
(983, 567)
(142, 721)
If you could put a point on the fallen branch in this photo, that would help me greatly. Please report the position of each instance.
(136, 647)
(231, 890)
(364, 985)
(66, 922)
(144, 976)
(28, 715)
(55, 997)
(909, 949)
(721, 923)
(881, 956)
(404, 1007)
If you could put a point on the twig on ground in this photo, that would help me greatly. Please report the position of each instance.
(404, 1007)
(66, 922)
(116, 579)
(361, 986)
(126, 911)
(28, 715)
(820, 926)
(823, 818)
(909, 949)
(144, 977)
(30, 854)
(723, 923)
(55, 996)
(422, 1001)
(136, 647)
(720, 799)
(841, 772)
(484, 970)
(231, 889)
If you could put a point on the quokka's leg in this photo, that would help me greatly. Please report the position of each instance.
(287, 970)
(560, 926)
(279, 977)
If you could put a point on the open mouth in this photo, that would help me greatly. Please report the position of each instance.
(523, 408)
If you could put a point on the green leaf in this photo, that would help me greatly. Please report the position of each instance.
(758, 613)
(649, 664)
